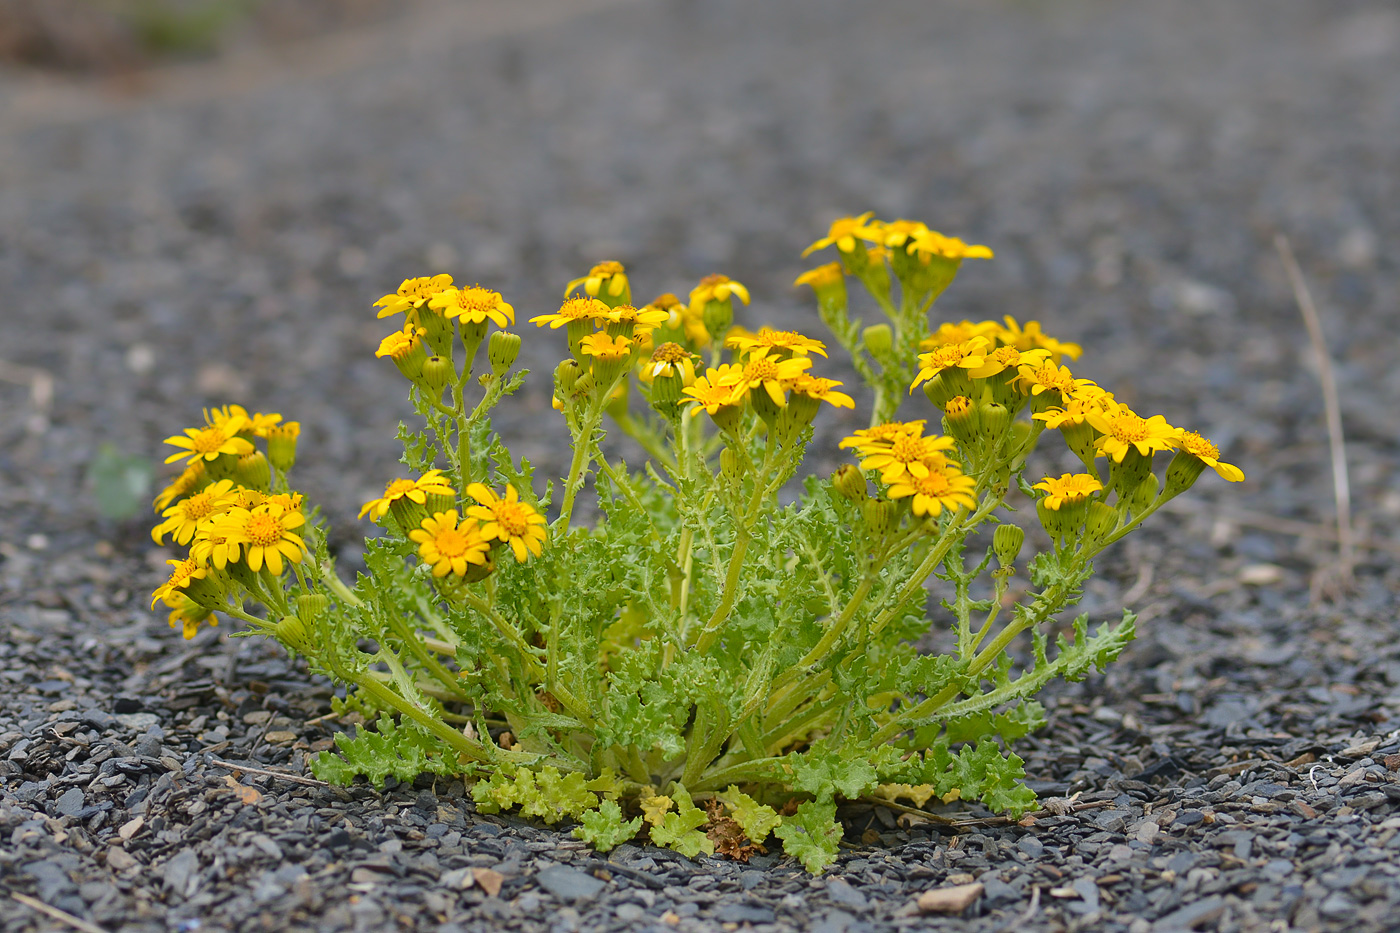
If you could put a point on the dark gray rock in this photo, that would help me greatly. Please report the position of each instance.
(569, 884)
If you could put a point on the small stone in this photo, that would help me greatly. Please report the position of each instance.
(131, 828)
(280, 738)
(1088, 891)
(182, 873)
(1033, 847)
(1147, 832)
(841, 892)
(568, 884)
(457, 878)
(1193, 915)
(1189, 818)
(138, 722)
(489, 879)
(148, 746)
(1302, 809)
(70, 802)
(363, 875)
(120, 860)
(257, 717)
(952, 900)
(1337, 906)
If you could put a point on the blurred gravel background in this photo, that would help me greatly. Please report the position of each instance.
(212, 232)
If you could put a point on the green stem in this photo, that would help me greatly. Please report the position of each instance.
(583, 449)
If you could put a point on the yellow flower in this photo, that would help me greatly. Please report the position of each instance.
(711, 393)
(184, 573)
(473, 305)
(843, 233)
(940, 489)
(821, 390)
(717, 288)
(897, 233)
(1206, 452)
(1069, 488)
(191, 478)
(971, 354)
(1031, 337)
(789, 341)
(400, 343)
(926, 244)
(1004, 358)
(670, 359)
(211, 442)
(449, 547)
(190, 615)
(245, 498)
(882, 436)
(1077, 407)
(182, 518)
(571, 311)
(770, 374)
(266, 534)
(909, 455)
(258, 424)
(1123, 430)
(1044, 376)
(413, 293)
(632, 319)
(415, 490)
(608, 273)
(606, 347)
(960, 332)
(508, 520)
(822, 276)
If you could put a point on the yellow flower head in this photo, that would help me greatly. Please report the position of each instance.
(787, 342)
(969, 355)
(449, 546)
(245, 498)
(925, 244)
(882, 436)
(961, 332)
(713, 392)
(843, 233)
(415, 490)
(182, 518)
(1206, 452)
(190, 615)
(762, 371)
(897, 233)
(641, 320)
(939, 489)
(1076, 409)
(400, 343)
(717, 288)
(1031, 337)
(473, 305)
(821, 389)
(183, 573)
(608, 274)
(191, 478)
(911, 455)
(822, 276)
(671, 359)
(258, 424)
(1069, 488)
(413, 293)
(1123, 430)
(210, 443)
(571, 311)
(508, 520)
(1045, 376)
(605, 347)
(1004, 358)
(265, 533)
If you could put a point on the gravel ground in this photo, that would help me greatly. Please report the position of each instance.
(216, 232)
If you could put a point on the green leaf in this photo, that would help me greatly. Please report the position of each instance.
(604, 828)
(679, 828)
(546, 794)
(823, 772)
(812, 835)
(756, 819)
(404, 750)
(120, 483)
(1095, 650)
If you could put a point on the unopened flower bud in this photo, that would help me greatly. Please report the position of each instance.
(437, 373)
(939, 392)
(960, 421)
(566, 376)
(765, 407)
(850, 482)
(1101, 520)
(994, 420)
(1125, 476)
(409, 514)
(282, 445)
(1054, 521)
(729, 466)
(253, 471)
(881, 515)
(1080, 440)
(1006, 543)
(311, 606)
(291, 631)
(879, 340)
(502, 351)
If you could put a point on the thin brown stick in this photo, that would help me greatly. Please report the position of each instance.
(78, 923)
(296, 778)
(1341, 489)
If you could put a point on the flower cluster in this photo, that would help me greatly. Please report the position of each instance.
(232, 508)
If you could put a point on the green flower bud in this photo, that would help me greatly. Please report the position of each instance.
(282, 445)
(1080, 440)
(253, 471)
(437, 373)
(1006, 543)
(1101, 520)
(1143, 495)
(502, 351)
(718, 317)
(311, 606)
(408, 514)
(1125, 477)
(879, 340)
(850, 482)
(1183, 472)
(291, 631)
(566, 376)
(881, 515)
(729, 466)
(994, 420)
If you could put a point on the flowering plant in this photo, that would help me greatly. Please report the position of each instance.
(708, 664)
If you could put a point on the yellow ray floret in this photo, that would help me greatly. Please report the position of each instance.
(608, 274)
(1031, 337)
(926, 244)
(717, 288)
(1123, 430)
(189, 480)
(209, 443)
(880, 437)
(265, 534)
(1068, 488)
(1041, 375)
(473, 305)
(416, 490)
(605, 347)
(257, 424)
(640, 319)
(763, 370)
(182, 518)
(971, 354)
(822, 390)
(1206, 452)
(450, 546)
(843, 233)
(711, 392)
(941, 489)
(571, 311)
(182, 574)
(508, 520)
(909, 456)
(670, 359)
(789, 342)
(400, 343)
(822, 276)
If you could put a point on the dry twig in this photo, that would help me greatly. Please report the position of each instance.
(286, 776)
(1341, 489)
(77, 923)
